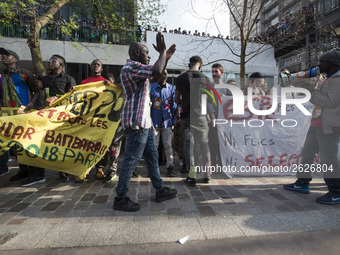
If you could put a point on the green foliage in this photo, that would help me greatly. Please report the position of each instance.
(118, 16)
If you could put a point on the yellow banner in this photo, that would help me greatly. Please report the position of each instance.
(70, 136)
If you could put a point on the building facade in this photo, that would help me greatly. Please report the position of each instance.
(299, 30)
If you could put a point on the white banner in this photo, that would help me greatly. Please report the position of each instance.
(256, 145)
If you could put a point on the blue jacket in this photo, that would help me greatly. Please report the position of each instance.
(163, 104)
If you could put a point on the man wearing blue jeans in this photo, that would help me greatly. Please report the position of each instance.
(323, 134)
(136, 121)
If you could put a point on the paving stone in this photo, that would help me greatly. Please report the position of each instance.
(307, 221)
(44, 190)
(158, 216)
(222, 193)
(10, 203)
(53, 239)
(42, 201)
(94, 210)
(259, 224)
(52, 184)
(88, 197)
(17, 221)
(28, 237)
(211, 196)
(143, 195)
(311, 207)
(52, 206)
(199, 200)
(109, 185)
(205, 189)
(5, 198)
(24, 194)
(100, 199)
(107, 233)
(71, 200)
(196, 193)
(172, 203)
(219, 227)
(63, 210)
(19, 207)
(229, 201)
(175, 213)
(183, 197)
(236, 209)
(206, 211)
(81, 205)
(294, 206)
(278, 196)
(6, 217)
(144, 202)
(182, 189)
(169, 230)
(157, 207)
(283, 208)
(255, 199)
(188, 206)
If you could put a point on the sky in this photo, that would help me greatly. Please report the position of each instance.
(194, 15)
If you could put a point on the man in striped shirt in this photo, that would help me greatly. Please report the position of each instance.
(136, 76)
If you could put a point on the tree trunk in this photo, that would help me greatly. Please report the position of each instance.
(33, 40)
(243, 58)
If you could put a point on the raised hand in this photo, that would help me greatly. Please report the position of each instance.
(160, 43)
(170, 51)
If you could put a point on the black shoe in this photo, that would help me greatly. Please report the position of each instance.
(33, 180)
(191, 182)
(135, 174)
(63, 177)
(171, 172)
(206, 180)
(22, 174)
(166, 194)
(126, 205)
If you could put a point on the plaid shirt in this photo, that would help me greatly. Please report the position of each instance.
(135, 79)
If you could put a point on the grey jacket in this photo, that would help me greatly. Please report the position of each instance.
(329, 98)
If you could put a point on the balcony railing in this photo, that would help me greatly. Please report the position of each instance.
(82, 34)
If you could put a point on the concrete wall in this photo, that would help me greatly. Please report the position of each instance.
(211, 50)
(73, 52)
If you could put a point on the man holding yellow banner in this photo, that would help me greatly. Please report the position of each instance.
(18, 89)
(71, 135)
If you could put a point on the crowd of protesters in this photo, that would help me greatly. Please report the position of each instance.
(138, 123)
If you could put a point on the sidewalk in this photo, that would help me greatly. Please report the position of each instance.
(55, 214)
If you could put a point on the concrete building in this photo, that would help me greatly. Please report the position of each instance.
(303, 30)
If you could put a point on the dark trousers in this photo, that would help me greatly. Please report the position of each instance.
(327, 146)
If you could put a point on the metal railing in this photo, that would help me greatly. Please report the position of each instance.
(82, 34)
